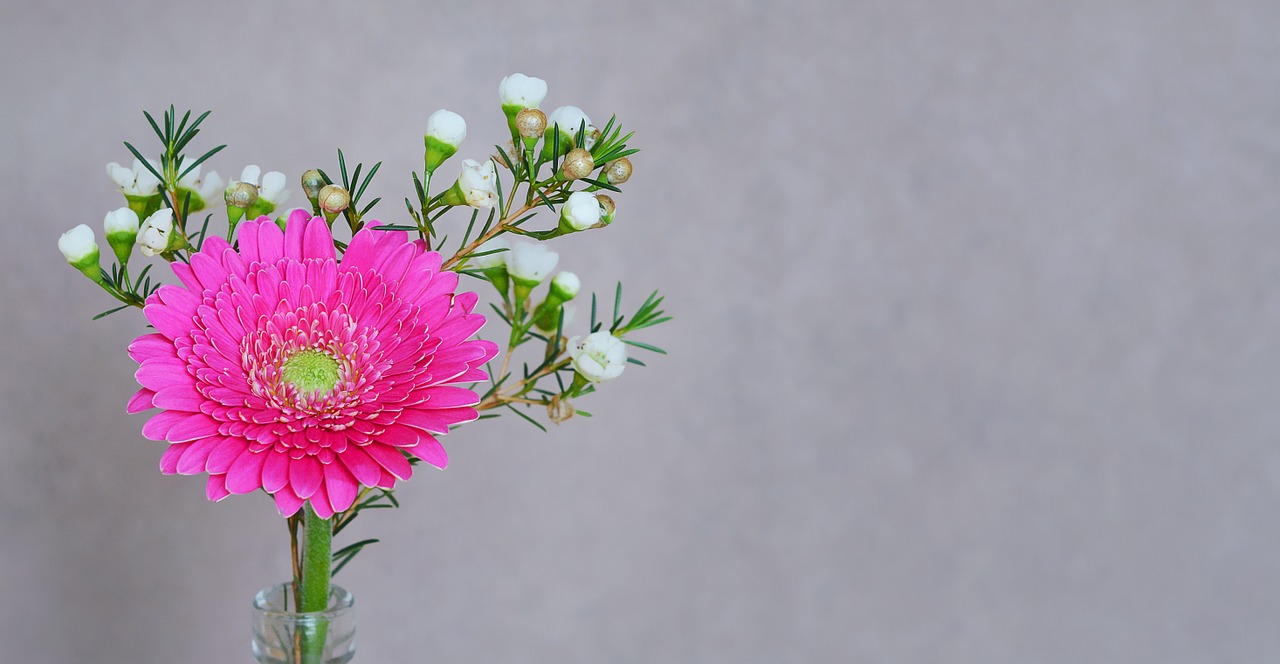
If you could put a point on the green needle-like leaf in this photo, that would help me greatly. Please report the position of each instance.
(645, 346)
(527, 418)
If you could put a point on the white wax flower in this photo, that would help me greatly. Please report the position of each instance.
(122, 221)
(565, 286)
(153, 235)
(581, 211)
(599, 357)
(569, 119)
(490, 260)
(209, 188)
(518, 90)
(136, 181)
(530, 262)
(447, 127)
(273, 187)
(479, 183)
(78, 246)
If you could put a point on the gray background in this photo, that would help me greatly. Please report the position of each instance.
(974, 357)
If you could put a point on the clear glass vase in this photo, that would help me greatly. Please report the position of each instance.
(284, 636)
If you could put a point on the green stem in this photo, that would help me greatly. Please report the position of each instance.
(317, 563)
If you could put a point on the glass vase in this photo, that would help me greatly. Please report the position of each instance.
(284, 636)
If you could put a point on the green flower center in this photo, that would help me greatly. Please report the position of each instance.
(311, 371)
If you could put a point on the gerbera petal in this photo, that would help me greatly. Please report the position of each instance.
(275, 472)
(361, 465)
(140, 401)
(317, 242)
(169, 460)
(179, 397)
(245, 473)
(320, 503)
(305, 476)
(341, 486)
(247, 234)
(287, 502)
(157, 428)
(193, 459)
(216, 488)
(430, 450)
(270, 241)
(222, 456)
(390, 459)
(192, 426)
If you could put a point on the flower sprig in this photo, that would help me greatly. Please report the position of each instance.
(558, 162)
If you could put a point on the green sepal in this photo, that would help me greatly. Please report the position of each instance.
(143, 206)
(436, 152)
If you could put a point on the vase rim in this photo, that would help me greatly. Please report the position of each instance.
(340, 598)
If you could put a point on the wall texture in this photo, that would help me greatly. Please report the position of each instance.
(974, 356)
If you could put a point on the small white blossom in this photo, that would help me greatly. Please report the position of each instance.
(79, 246)
(479, 183)
(273, 187)
(518, 90)
(530, 262)
(136, 181)
(565, 286)
(122, 221)
(581, 211)
(569, 119)
(599, 357)
(490, 260)
(447, 127)
(153, 235)
(209, 188)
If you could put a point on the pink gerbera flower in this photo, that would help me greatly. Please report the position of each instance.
(281, 368)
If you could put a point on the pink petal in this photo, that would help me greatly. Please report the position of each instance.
(151, 345)
(157, 428)
(287, 502)
(191, 427)
(179, 397)
(245, 473)
(320, 503)
(169, 460)
(216, 488)
(305, 476)
(275, 472)
(209, 271)
(140, 401)
(222, 456)
(169, 322)
(391, 459)
(182, 300)
(270, 241)
(318, 241)
(448, 396)
(193, 459)
(430, 450)
(247, 234)
(293, 238)
(361, 465)
(341, 486)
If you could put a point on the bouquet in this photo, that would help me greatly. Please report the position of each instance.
(317, 355)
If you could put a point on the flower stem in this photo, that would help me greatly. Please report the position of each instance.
(317, 561)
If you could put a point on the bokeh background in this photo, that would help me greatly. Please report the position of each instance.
(974, 357)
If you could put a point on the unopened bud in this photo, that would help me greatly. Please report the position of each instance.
(559, 409)
(531, 123)
(617, 171)
(312, 183)
(577, 164)
(592, 136)
(606, 210)
(241, 195)
(333, 199)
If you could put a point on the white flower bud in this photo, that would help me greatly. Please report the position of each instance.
(78, 246)
(531, 123)
(529, 263)
(137, 181)
(121, 228)
(617, 171)
(154, 234)
(447, 127)
(569, 119)
(490, 260)
(477, 185)
(565, 286)
(121, 221)
(580, 212)
(272, 188)
(520, 91)
(599, 357)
